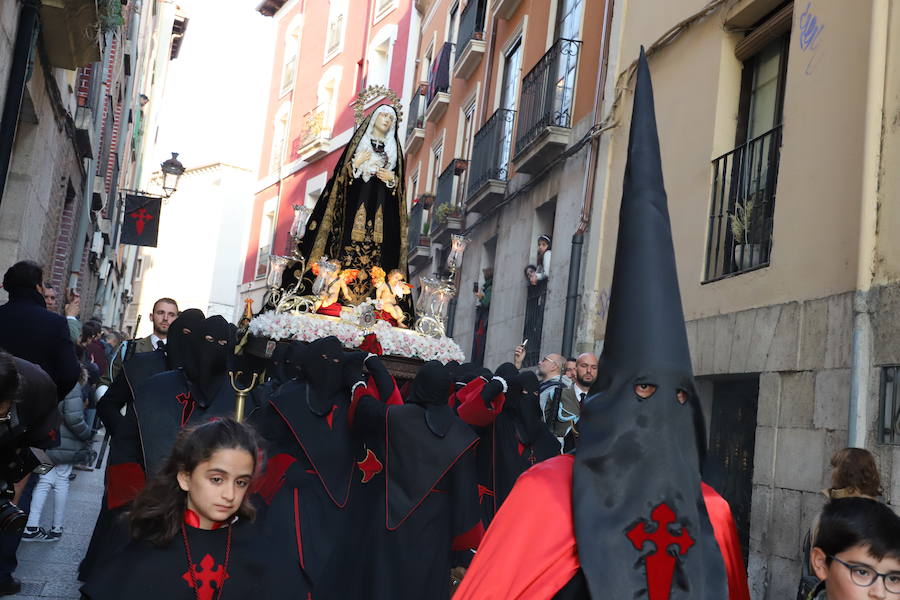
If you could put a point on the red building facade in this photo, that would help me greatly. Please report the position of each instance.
(325, 53)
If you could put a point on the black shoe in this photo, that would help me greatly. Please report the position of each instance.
(10, 586)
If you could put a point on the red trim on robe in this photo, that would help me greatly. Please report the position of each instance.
(471, 406)
(273, 477)
(532, 554)
(726, 534)
(123, 482)
(469, 539)
(192, 519)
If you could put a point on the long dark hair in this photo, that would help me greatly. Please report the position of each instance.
(158, 510)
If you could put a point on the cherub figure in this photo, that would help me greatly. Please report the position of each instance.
(389, 290)
(335, 288)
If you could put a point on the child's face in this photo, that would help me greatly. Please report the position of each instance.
(394, 278)
(840, 580)
(216, 487)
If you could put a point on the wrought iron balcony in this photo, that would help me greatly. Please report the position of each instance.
(470, 44)
(535, 303)
(437, 96)
(446, 215)
(315, 137)
(417, 242)
(490, 161)
(545, 110)
(743, 206)
(415, 124)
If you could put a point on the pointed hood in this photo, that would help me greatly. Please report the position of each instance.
(637, 467)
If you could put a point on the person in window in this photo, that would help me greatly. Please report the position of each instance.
(542, 264)
(530, 272)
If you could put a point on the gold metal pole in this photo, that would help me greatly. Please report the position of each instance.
(241, 394)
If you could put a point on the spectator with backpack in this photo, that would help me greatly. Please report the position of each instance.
(74, 447)
(553, 382)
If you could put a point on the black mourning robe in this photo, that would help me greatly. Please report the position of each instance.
(166, 402)
(307, 481)
(142, 571)
(421, 501)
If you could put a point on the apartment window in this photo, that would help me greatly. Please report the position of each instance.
(453, 29)
(382, 8)
(266, 233)
(138, 268)
(745, 179)
(379, 56)
(568, 27)
(291, 50)
(279, 137)
(334, 35)
(413, 187)
(509, 96)
(436, 154)
(889, 422)
(326, 97)
(426, 64)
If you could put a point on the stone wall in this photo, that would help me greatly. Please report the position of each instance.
(802, 353)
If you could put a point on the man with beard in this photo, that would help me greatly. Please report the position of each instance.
(312, 460)
(427, 503)
(627, 515)
(553, 382)
(564, 416)
(125, 470)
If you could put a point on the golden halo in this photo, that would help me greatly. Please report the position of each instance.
(370, 93)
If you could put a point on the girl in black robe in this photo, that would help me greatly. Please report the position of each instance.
(190, 530)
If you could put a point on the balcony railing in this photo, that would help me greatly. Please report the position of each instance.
(439, 77)
(743, 205)
(414, 232)
(446, 215)
(416, 119)
(315, 126)
(490, 150)
(471, 24)
(547, 93)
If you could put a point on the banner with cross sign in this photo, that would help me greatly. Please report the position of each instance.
(141, 224)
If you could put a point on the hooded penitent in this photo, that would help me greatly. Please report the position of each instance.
(322, 365)
(641, 526)
(209, 363)
(182, 340)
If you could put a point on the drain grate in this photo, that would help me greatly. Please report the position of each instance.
(33, 588)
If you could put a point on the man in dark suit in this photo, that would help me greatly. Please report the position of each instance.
(31, 332)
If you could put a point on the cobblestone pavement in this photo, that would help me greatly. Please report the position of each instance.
(48, 570)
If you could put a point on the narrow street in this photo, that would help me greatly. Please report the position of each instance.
(48, 570)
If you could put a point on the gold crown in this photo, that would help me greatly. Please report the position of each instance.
(371, 93)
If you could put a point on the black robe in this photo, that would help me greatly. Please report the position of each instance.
(422, 500)
(124, 464)
(165, 403)
(307, 480)
(142, 571)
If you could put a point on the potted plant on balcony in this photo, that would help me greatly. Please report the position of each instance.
(748, 231)
(424, 240)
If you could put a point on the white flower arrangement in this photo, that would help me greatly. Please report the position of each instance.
(394, 340)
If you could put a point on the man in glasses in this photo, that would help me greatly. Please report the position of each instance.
(857, 551)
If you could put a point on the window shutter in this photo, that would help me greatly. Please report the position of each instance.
(771, 28)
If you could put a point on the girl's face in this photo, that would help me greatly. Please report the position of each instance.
(839, 577)
(216, 487)
(542, 246)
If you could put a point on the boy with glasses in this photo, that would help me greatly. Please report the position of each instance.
(857, 551)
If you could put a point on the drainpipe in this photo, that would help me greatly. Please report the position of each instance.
(15, 90)
(861, 358)
(589, 184)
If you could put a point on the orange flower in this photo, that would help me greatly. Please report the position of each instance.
(315, 269)
(349, 274)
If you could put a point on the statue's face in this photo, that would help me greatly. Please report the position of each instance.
(383, 122)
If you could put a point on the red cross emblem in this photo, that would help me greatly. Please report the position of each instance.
(660, 565)
(202, 581)
(187, 406)
(370, 466)
(141, 216)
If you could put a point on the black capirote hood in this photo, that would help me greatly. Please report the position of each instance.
(182, 341)
(637, 498)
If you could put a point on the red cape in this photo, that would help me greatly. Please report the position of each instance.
(529, 550)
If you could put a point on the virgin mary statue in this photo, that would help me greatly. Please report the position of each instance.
(360, 218)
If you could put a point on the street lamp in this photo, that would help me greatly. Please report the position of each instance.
(172, 170)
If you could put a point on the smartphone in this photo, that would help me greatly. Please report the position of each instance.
(524, 342)
(475, 287)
